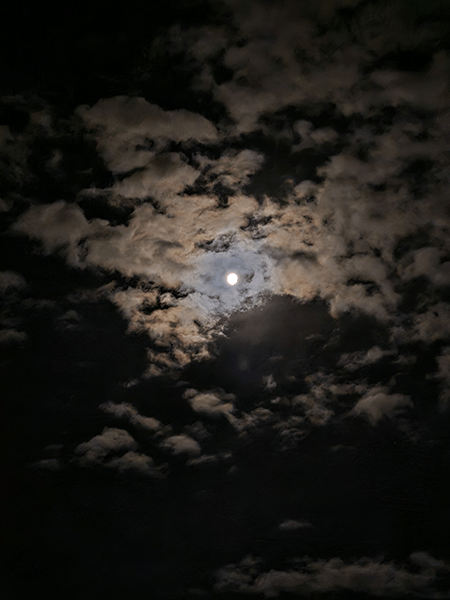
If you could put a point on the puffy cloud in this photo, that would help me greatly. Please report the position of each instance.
(163, 175)
(58, 226)
(232, 168)
(100, 446)
(377, 404)
(181, 444)
(122, 123)
(124, 410)
(426, 262)
(213, 404)
(137, 464)
(366, 576)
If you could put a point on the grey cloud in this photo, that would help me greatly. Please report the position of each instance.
(126, 411)
(443, 374)
(121, 123)
(97, 449)
(233, 168)
(355, 360)
(181, 444)
(12, 336)
(292, 525)
(427, 262)
(163, 175)
(58, 226)
(209, 459)
(334, 239)
(10, 281)
(213, 404)
(378, 403)
(432, 324)
(366, 575)
(138, 464)
(50, 464)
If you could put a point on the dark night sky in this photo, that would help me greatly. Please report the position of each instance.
(168, 436)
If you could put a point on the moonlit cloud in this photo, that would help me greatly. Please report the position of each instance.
(364, 576)
(377, 404)
(173, 432)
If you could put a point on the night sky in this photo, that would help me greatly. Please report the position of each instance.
(168, 436)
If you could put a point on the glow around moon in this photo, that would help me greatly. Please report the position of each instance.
(232, 279)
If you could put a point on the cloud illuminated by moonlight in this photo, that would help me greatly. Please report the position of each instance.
(208, 280)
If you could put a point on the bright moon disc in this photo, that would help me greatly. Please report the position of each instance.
(232, 278)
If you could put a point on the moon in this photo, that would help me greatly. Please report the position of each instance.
(232, 278)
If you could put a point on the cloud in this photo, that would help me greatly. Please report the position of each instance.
(443, 373)
(12, 336)
(111, 440)
(122, 123)
(364, 576)
(352, 361)
(292, 525)
(426, 262)
(136, 464)
(163, 175)
(213, 404)
(50, 464)
(124, 410)
(181, 444)
(377, 404)
(233, 168)
(209, 459)
(58, 226)
(334, 237)
(433, 324)
(11, 281)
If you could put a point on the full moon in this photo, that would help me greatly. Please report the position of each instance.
(232, 278)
